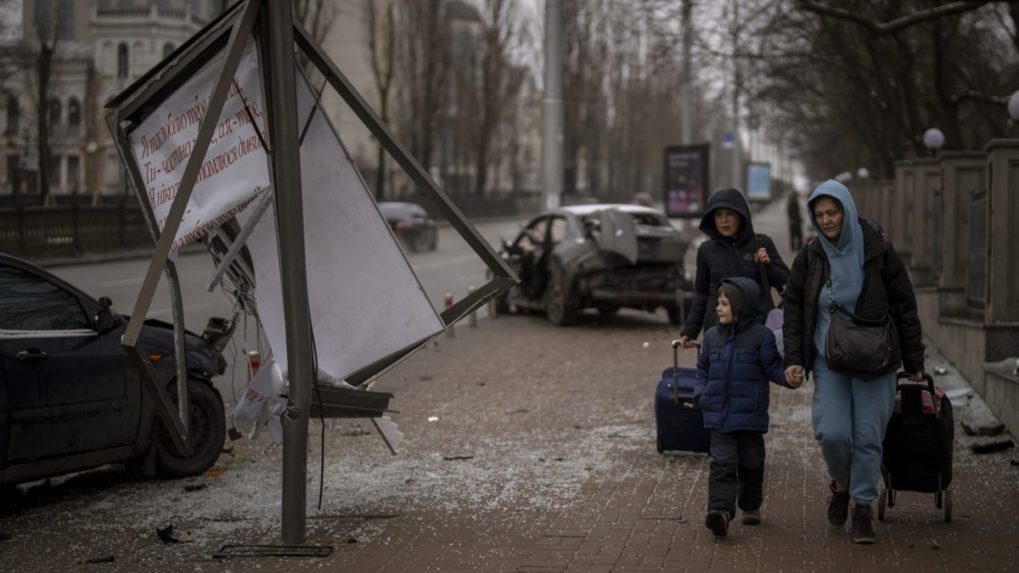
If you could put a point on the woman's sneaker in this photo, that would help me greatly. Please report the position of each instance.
(863, 525)
(838, 506)
(752, 517)
(717, 521)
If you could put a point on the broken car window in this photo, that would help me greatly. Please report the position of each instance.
(30, 303)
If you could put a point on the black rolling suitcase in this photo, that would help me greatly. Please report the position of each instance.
(679, 422)
(918, 445)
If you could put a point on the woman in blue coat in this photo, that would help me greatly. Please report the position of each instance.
(733, 249)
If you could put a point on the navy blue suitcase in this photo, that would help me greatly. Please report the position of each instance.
(679, 420)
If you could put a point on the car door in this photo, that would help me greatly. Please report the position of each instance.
(66, 385)
(618, 234)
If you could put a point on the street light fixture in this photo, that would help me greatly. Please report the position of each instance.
(933, 139)
(1013, 106)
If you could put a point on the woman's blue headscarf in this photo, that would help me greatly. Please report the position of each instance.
(844, 259)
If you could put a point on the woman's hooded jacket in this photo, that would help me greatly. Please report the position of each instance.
(867, 276)
(734, 366)
(721, 257)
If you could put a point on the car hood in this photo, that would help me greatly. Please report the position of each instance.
(156, 337)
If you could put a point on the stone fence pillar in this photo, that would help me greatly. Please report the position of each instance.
(899, 223)
(1003, 232)
(963, 174)
(924, 219)
(885, 196)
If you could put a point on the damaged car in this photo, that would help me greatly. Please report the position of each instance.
(70, 399)
(601, 256)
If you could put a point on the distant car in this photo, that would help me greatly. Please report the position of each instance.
(411, 224)
(600, 256)
(69, 398)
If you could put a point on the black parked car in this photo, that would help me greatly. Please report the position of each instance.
(69, 398)
(598, 256)
(412, 225)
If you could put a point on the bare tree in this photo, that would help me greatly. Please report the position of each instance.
(423, 62)
(318, 17)
(500, 81)
(382, 50)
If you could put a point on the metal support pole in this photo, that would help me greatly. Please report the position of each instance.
(686, 93)
(279, 78)
(179, 346)
(737, 167)
(552, 130)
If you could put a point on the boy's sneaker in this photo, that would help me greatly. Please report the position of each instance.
(863, 525)
(717, 521)
(752, 517)
(838, 506)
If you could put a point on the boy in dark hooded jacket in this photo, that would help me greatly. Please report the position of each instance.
(738, 357)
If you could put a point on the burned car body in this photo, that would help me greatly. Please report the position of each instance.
(71, 400)
(598, 256)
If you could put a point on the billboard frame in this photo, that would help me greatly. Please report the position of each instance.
(703, 150)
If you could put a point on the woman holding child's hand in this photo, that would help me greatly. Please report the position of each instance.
(850, 263)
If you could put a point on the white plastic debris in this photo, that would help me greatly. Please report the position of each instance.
(433, 418)
(261, 404)
(646, 344)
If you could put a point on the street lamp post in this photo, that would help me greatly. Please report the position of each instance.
(933, 139)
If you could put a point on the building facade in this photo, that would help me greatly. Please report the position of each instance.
(98, 49)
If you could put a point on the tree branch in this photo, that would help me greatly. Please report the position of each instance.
(898, 24)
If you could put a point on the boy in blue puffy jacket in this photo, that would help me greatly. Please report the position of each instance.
(738, 357)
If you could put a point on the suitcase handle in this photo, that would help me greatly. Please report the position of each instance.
(927, 377)
(675, 351)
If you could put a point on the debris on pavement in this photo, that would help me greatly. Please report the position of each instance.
(355, 430)
(433, 418)
(992, 428)
(100, 559)
(170, 535)
(4, 536)
(991, 447)
(940, 370)
(454, 458)
(195, 486)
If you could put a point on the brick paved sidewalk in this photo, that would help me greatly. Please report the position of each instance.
(542, 458)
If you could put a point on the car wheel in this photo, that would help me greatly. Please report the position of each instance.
(558, 308)
(208, 428)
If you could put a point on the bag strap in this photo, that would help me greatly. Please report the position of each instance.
(763, 269)
(834, 306)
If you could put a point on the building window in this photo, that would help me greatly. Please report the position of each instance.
(122, 60)
(13, 162)
(74, 116)
(55, 112)
(167, 49)
(73, 172)
(113, 170)
(13, 115)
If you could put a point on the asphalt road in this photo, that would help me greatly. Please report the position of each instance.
(452, 268)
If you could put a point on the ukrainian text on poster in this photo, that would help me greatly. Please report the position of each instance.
(234, 169)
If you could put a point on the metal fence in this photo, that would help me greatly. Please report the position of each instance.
(71, 229)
